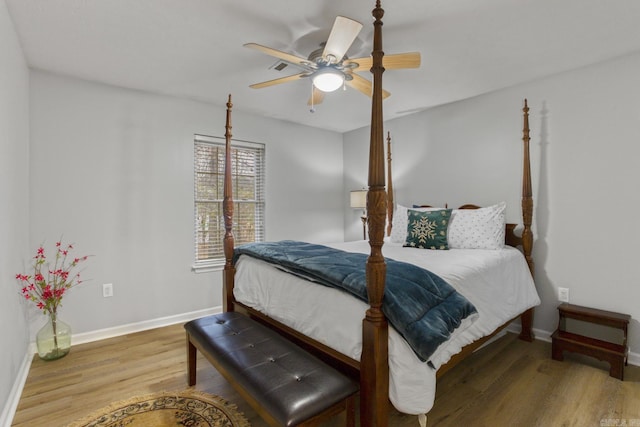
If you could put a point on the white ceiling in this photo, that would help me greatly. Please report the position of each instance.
(193, 48)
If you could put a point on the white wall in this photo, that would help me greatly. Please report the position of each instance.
(585, 152)
(112, 171)
(14, 205)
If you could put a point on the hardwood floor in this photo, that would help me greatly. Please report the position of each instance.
(508, 383)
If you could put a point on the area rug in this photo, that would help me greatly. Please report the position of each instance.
(188, 408)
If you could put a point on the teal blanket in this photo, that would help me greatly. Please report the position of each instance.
(420, 305)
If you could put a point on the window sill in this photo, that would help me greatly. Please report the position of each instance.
(207, 266)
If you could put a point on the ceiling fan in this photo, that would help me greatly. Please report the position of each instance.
(329, 68)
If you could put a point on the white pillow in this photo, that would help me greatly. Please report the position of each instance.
(482, 228)
(400, 222)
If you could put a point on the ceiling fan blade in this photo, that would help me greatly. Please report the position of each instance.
(363, 85)
(316, 97)
(278, 81)
(390, 62)
(279, 54)
(342, 35)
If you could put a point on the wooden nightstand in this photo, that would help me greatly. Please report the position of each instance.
(615, 354)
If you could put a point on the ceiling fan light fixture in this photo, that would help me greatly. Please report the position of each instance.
(328, 79)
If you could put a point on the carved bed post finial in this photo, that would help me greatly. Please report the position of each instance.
(390, 202)
(227, 211)
(374, 363)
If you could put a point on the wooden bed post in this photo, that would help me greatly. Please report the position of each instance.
(227, 211)
(526, 319)
(390, 202)
(374, 368)
(527, 199)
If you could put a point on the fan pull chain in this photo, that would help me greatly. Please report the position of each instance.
(312, 109)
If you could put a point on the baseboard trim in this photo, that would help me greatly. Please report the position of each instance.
(9, 410)
(145, 325)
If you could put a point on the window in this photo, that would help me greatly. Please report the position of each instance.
(248, 160)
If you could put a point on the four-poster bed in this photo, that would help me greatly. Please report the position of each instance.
(370, 362)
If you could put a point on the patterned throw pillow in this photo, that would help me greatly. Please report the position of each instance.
(399, 223)
(427, 230)
(478, 228)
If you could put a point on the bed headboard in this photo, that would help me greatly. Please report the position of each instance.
(525, 240)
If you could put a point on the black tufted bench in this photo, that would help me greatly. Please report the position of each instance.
(284, 384)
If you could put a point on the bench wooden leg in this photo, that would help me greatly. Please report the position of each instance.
(191, 362)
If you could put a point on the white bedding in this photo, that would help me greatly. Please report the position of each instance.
(497, 282)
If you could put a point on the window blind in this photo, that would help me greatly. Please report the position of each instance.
(248, 171)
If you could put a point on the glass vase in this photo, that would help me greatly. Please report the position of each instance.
(53, 339)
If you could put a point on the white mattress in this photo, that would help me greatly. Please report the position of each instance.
(497, 282)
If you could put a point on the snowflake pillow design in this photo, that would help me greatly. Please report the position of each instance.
(427, 230)
(399, 223)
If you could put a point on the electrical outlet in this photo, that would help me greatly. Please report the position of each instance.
(107, 290)
(563, 294)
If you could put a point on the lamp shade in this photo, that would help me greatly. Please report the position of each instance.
(328, 79)
(359, 199)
